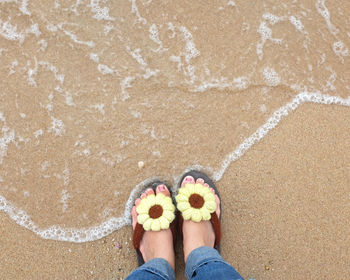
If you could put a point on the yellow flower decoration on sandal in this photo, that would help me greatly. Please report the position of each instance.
(155, 212)
(196, 202)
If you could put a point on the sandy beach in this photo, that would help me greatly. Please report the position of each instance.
(96, 98)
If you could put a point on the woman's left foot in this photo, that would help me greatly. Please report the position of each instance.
(200, 232)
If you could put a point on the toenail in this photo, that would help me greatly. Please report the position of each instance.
(161, 188)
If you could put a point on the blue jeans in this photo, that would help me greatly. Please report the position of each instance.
(203, 263)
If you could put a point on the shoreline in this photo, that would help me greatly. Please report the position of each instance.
(253, 223)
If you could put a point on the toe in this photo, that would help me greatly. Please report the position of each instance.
(200, 181)
(163, 189)
(187, 180)
(137, 201)
(134, 217)
(217, 199)
(149, 191)
(206, 185)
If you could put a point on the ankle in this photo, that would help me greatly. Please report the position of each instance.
(197, 235)
(164, 250)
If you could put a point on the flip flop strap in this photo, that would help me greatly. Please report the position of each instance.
(137, 236)
(215, 222)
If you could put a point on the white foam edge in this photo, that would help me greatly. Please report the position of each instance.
(272, 122)
(116, 223)
(73, 234)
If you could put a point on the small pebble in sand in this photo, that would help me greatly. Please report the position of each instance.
(117, 245)
(141, 164)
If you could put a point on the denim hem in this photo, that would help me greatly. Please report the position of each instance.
(200, 256)
(159, 267)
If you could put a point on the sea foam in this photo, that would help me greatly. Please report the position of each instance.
(107, 227)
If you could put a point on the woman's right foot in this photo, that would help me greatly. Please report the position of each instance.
(198, 234)
(155, 244)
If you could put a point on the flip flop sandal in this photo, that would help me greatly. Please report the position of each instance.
(197, 203)
(154, 213)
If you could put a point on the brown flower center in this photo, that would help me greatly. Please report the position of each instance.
(155, 211)
(196, 201)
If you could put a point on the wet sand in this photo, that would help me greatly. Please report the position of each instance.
(285, 213)
(87, 93)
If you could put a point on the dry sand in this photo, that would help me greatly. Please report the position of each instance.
(92, 93)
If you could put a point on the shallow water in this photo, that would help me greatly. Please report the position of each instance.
(97, 98)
